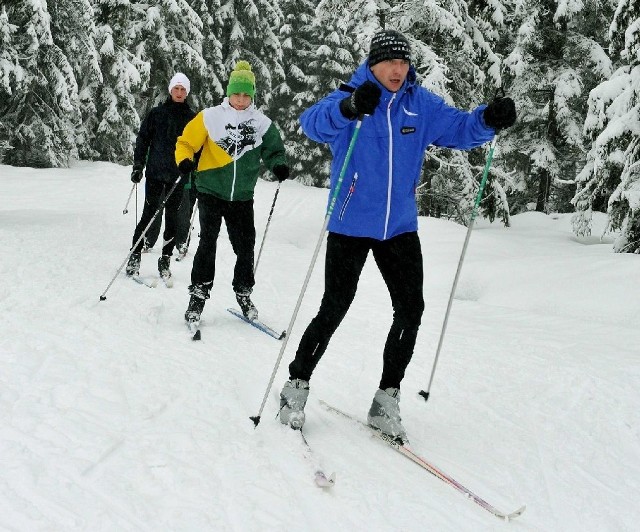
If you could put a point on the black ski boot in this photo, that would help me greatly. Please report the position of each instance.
(163, 267)
(133, 266)
(199, 294)
(246, 305)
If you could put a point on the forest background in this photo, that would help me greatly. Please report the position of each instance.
(77, 77)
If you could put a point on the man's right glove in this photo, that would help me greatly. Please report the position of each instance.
(500, 113)
(281, 171)
(186, 166)
(136, 174)
(363, 101)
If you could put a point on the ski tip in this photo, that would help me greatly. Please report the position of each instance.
(322, 481)
(424, 395)
(515, 514)
(256, 420)
(197, 336)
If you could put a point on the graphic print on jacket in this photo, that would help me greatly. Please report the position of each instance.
(239, 138)
(234, 144)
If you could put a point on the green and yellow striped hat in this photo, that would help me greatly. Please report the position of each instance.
(242, 80)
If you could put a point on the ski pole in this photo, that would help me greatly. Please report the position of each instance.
(193, 217)
(474, 212)
(264, 237)
(103, 295)
(126, 206)
(334, 198)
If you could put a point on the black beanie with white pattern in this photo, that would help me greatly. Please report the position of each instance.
(389, 44)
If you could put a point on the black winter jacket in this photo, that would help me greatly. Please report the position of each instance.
(156, 141)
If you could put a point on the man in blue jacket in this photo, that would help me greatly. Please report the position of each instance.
(376, 209)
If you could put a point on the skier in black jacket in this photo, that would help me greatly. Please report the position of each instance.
(155, 148)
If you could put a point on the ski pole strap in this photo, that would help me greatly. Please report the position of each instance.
(347, 157)
(485, 175)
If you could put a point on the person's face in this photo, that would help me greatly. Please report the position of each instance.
(391, 73)
(240, 101)
(178, 94)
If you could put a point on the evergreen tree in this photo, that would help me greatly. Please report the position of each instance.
(299, 90)
(611, 174)
(40, 117)
(555, 60)
(172, 43)
(11, 76)
(211, 90)
(250, 33)
(452, 46)
(119, 27)
(74, 32)
(335, 45)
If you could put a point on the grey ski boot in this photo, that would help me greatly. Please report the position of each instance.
(293, 398)
(384, 414)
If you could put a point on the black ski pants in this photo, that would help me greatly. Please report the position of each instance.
(238, 217)
(399, 260)
(184, 216)
(154, 194)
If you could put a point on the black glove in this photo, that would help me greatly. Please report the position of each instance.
(363, 101)
(281, 171)
(136, 174)
(500, 113)
(186, 166)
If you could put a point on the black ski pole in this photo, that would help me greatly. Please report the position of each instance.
(103, 296)
(474, 213)
(334, 198)
(264, 236)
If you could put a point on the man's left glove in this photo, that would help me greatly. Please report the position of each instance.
(281, 171)
(186, 166)
(136, 174)
(500, 113)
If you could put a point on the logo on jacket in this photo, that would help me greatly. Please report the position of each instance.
(407, 130)
(238, 138)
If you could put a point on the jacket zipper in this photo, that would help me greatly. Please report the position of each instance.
(235, 156)
(390, 176)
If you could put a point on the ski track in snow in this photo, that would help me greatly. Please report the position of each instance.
(111, 418)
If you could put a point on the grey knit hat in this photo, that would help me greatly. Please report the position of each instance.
(389, 44)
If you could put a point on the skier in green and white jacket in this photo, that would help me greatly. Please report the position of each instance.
(234, 137)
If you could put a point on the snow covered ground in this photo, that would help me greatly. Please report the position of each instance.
(111, 418)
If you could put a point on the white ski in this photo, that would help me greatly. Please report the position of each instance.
(406, 451)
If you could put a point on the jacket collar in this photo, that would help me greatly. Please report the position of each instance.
(226, 105)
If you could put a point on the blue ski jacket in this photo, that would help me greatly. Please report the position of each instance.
(377, 196)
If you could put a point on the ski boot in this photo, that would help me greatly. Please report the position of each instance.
(133, 266)
(293, 398)
(384, 414)
(246, 305)
(163, 268)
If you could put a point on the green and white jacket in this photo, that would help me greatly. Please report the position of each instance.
(233, 143)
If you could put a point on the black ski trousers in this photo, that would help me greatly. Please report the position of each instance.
(184, 220)
(238, 217)
(399, 260)
(154, 194)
